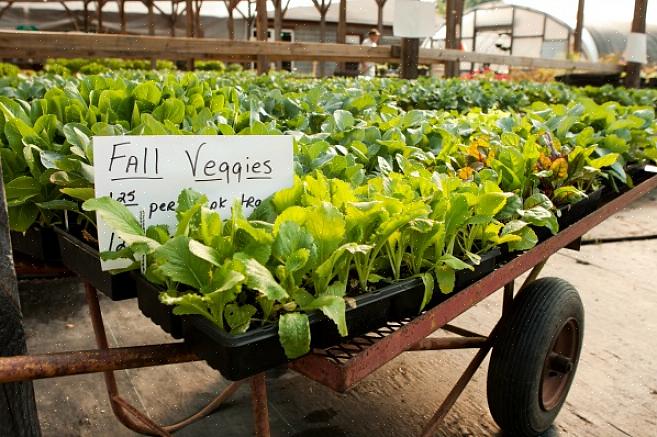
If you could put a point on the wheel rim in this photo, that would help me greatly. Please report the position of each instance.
(559, 366)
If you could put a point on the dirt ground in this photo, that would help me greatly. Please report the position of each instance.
(614, 393)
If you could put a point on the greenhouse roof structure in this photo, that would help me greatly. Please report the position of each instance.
(538, 28)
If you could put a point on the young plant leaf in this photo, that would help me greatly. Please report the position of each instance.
(238, 317)
(206, 253)
(446, 278)
(120, 219)
(333, 307)
(258, 277)
(427, 280)
(177, 262)
(294, 334)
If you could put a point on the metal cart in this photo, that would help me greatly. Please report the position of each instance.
(535, 346)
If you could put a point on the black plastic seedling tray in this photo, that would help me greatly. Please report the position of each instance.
(637, 173)
(571, 214)
(408, 304)
(240, 356)
(38, 243)
(148, 300)
(84, 260)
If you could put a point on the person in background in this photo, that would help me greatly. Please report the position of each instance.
(368, 69)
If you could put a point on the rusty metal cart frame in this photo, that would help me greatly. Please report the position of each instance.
(339, 367)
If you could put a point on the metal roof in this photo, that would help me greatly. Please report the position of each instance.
(607, 22)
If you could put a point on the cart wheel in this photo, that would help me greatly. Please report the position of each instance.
(535, 357)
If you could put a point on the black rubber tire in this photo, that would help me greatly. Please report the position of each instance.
(522, 345)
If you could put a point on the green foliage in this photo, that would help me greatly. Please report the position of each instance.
(7, 69)
(64, 66)
(394, 179)
(209, 65)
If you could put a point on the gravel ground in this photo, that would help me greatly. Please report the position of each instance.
(614, 393)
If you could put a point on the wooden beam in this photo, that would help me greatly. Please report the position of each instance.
(86, 15)
(39, 45)
(151, 17)
(633, 69)
(99, 15)
(579, 27)
(278, 19)
(173, 18)
(189, 18)
(6, 8)
(159, 9)
(230, 22)
(322, 7)
(261, 33)
(433, 56)
(122, 16)
(18, 414)
(453, 14)
(46, 44)
(460, 4)
(198, 31)
(410, 53)
(249, 17)
(279, 14)
(189, 28)
(70, 13)
(151, 28)
(379, 16)
(8, 284)
(341, 36)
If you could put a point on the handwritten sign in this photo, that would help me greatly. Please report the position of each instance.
(146, 174)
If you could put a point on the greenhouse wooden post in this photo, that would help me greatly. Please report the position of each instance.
(122, 15)
(410, 54)
(454, 12)
(278, 19)
(18, 414)
(341, 36)
(99, 16)
(198, 30)
(85, 9)
(9, 5)
(173, 18)
(577, 44)
(151, 29)
(322, 7)
(189, 24)
(230, 21)
(633, 69)
(261, 33)
(379, 15)
(279, 13)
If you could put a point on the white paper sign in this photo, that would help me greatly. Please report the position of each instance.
(414, 19)
(146, 173)
(635, 50)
